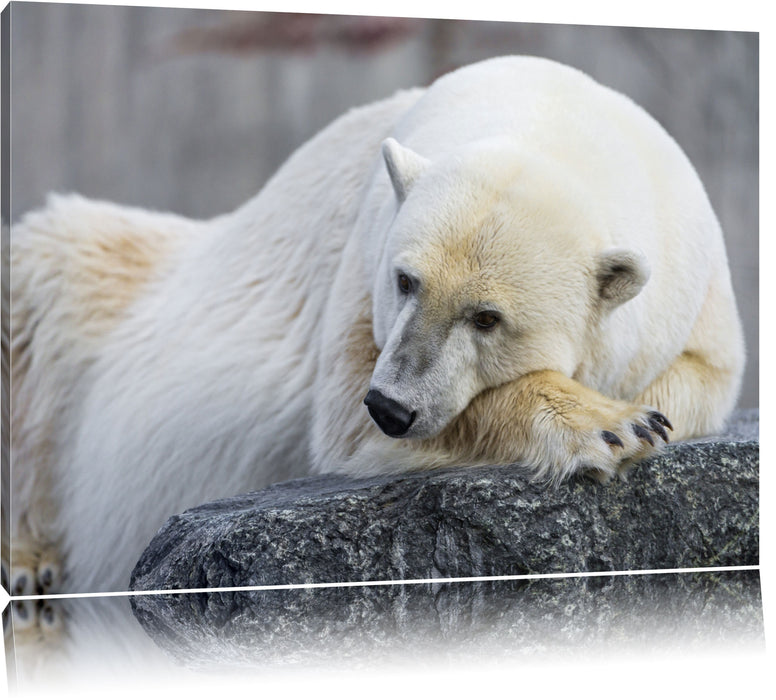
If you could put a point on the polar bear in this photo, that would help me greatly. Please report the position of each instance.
(515, 264)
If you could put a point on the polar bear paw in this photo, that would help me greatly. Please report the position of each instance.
(642, 435)
(609, 442)
(34, 571)
(588, 432)
(41, 615)
(652, 425)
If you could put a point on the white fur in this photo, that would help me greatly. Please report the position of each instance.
(227, 367)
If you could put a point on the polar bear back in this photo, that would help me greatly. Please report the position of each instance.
(563, 114)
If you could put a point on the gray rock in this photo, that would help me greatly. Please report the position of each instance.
(458, 622)
(694, 505)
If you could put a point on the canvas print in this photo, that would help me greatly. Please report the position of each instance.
(318, 299)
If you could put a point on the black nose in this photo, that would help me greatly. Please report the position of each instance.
(392, 417)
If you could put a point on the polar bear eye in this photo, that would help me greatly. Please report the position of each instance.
(405, 284)
(485, 320)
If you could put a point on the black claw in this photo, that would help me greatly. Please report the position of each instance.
(643, 433)
(611, 438)
(660, 418)
(46, 578)
(20, 609)
(47, 615)
(20, 585)
(657, 427)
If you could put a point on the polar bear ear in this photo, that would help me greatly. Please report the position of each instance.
(621, 274)
(404, 166)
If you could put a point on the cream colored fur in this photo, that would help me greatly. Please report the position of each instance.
(159, 363)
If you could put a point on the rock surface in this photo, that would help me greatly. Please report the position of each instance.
(502, 621)
(694, 505)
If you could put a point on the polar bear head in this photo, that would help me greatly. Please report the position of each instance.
(494, 265)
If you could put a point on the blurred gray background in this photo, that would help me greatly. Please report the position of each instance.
(192, 110)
